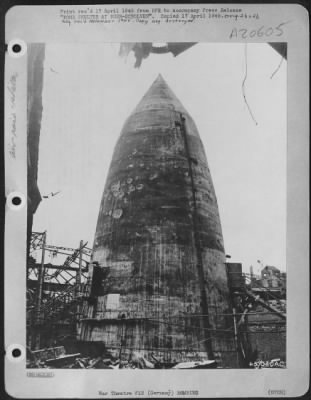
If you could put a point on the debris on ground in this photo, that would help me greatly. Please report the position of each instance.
(62, 361)
(56, 357)
(196, 365)
(140, 361)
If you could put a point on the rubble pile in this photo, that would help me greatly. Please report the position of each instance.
(56, 357)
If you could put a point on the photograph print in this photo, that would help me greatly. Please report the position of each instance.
(156, 226)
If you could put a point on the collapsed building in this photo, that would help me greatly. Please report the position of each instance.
(158, 279)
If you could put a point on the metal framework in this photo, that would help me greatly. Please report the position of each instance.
(54, 291)
(58, 294)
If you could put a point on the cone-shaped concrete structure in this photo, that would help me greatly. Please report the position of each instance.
(158, 96)
(163, 284)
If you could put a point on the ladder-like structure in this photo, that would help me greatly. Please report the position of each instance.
(54, 291)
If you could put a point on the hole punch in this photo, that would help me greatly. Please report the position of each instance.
(15, 201)
(15, 353)
(17, 48)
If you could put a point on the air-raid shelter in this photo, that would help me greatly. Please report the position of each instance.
(159, 281)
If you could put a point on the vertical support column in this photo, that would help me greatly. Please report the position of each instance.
(78, 292)
(41, 274)
(235, 334)
(251, 275)
(35, 76)
(79, 273)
